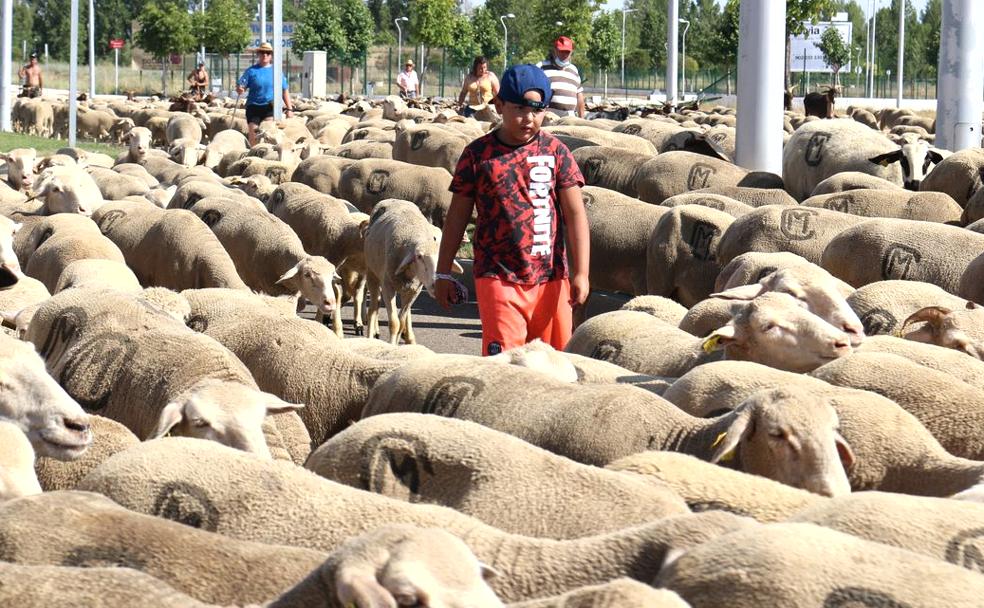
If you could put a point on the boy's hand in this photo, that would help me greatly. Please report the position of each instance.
(579, 290)
(442, 293)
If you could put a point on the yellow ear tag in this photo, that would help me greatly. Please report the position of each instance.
(731, 453)
(884, 163)
(719, 439)
(710, 344)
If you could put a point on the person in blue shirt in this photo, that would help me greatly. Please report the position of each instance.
(258, 79)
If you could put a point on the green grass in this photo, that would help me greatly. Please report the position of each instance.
(45, 146)
(465, 252)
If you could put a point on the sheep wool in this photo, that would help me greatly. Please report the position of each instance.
(611, 168)
(678, 172)
(854, 180)
(664, 309)
(902, 204)
(714, 201)
(619, 592)
(883, 306)
(108, 438)
(960, 175)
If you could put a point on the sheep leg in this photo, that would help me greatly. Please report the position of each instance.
(336, 314)
(372, 287)
(359, 297)
(407, 298)
(389, 298)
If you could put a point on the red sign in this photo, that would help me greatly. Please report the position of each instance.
(116, 43)
(176, 59)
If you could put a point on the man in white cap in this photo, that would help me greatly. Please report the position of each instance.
(408, 82)
(258, 79)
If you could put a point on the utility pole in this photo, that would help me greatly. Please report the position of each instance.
(961, 80)
(761, 54)
(6, 61)
(505, 39)
(92, 50)
(73, 73)
(278, 58)
(672, 36)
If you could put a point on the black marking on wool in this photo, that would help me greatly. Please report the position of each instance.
(878, 321)
(798, 224)
(376, 184)
(110, 218)
(860, 597)
(813, 155)
(716, 505)
(966, 549)
(211, 217)
(607, 350)
(417, 139)
(103, 557)
(62, 332)
(392, 461)
(699, 175)
(632, 129)
(186, 504)
(701, 240)
(899, 262)
(91, 373)
(839, 203)
(198, 323)
(592, 170)
(710, 202)
(589, 199)
(360, 134)
(447, 395)
(277, 175)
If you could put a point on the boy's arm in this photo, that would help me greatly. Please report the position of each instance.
(455, 223)
(578, 238)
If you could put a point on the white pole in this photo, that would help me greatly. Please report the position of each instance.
(625, 11)
(898, 75)
(278, 55)
(201, 5)
(45, 54)
(116, 72)
(505, 39)
(761, 54)
(262, 20)
(961, 76)
(672, 32)
(867, 51)
(73, 73)
(6, 64)
(683, 61)
(92, 50)
(24, 50)
(874, 46)
(399, 44)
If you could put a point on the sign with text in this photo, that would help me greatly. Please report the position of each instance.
(287, 33)
(116, 43)
(806, 48)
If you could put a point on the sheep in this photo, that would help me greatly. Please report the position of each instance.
(398, 565)
(172, 249)
(705, 486)
(883, 306)
(754, 266)
(327, 228)
(664, 309)
(384, 351)
(53, 422)
(916, 158)
(771, 329)
(10, 267)
(893, 451)
(681, 258)
(335, 384)
(612, 168)
(186, 152)
(884, 249)
(137, 171)
(794, 564)
(755, 197)
(974, 209)
(109, 437)
(463, 465)
(823, 148)
(162, 168)
(678, 172)
(55, 254)
(322, 514)
(114, 186)
(593, 371)
(365, 183)
(714, 201)
(602, 137)
(188, 383)
(17, 477)
(401, 255)
(20, 167)
(845, 181)
(428, 145)
(794, 229)
(960, 175)
(619, 592)
(278, 171)
(423, 387)
(17, 305)
(907, 205)
(657, 132)
(86, 529)
(183, 126)
(191, 192)
(541, 357)
(961, 329)
(139, 142)
(68, 189)
(267, 254)
(222, 143)
(971, 287)
(948, 408)
(361, 149)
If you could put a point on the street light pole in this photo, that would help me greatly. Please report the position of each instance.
(505, 39)
(683, 61)
(262, 21)
(6, 61)
(672, 31)
(624, 12)
(898, 74)
(874, 45)
(201, 6)
(399, 35)
(92, 50)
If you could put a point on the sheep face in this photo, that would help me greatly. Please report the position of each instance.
(792, 439)
(312, 277)
(961, 330)
(31, 400)
(422, 263)
(68, 189)
(225, 412)
(401, 565)
(814, 289)
(774, 330)
(17, 477)
(916, 158)
(139, 141)
(541, 357)
(20, 167)
(186, 152)
(10, 270)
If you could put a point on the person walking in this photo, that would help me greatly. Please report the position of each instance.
(258, 79)
(31, 75)
(198, 80)
(480, 86)
(525, 186)
(565, 80)
(408, 82)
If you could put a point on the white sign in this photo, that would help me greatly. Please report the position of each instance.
(806, 48)
(287, 35)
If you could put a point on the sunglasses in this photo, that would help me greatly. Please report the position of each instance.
(529, 103)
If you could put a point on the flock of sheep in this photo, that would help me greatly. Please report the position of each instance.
(788, 412)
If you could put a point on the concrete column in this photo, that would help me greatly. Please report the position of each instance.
(961, 75)
(278, 58)
(73, 74)
(6, 64)
(672, 57)
(761, 59)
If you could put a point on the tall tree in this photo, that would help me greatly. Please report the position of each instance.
(223, 28)
(165, 29)
(464, 45)
(357, 27)
(932, 19)
(320, 29)
(23, 28)
(836, 52)
(606, 42)
(798, 12)
(647, 29)
(486, 34)
(432, 22)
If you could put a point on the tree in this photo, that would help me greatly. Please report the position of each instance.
(432, 22)
(725, 43)
(357, 27)
(164, 29)
(836, 52)
(606, 43)
(23, 26)
(320, 29)
(223, 28)
(486, 34)
(798, 11)
(464, 47)
(647, 29)
(575, 17)
(932, 20)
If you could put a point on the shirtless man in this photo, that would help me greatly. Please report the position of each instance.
(198, 79)
(31, 74)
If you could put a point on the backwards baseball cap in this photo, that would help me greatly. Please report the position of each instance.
(34, 55)
(564, 44)
(519, 79)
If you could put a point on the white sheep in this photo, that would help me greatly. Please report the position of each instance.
(17, 476)
(20, 167)
(68, 189)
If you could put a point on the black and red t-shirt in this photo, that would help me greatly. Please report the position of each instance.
(520, 227)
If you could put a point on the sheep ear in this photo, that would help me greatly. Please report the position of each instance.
(726, 443)
(456, 267)
(360, 589)
(171, 416)
(488, 572)
(290, 274)
(888, 158)
(363, 227)
(844, 451)
(743, 292)
(277, 406)
(933, 315)
(719, 339)
(935, 155)
(406, 262)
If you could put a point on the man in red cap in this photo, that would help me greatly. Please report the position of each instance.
(565, 81)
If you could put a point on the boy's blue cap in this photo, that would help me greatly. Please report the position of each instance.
(522, 78)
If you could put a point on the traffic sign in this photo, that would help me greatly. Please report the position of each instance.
(116, 43)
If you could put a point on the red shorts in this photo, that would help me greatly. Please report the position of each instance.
(514, 314)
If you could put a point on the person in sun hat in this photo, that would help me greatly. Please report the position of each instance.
(258, 79)
(525, 188)
(565, 80)
(408, 82)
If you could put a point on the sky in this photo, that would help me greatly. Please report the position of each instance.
(865, 4)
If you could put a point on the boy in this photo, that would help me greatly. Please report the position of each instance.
(526, 187)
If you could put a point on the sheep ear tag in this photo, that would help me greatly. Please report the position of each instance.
(727, 456)
(709, 346)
